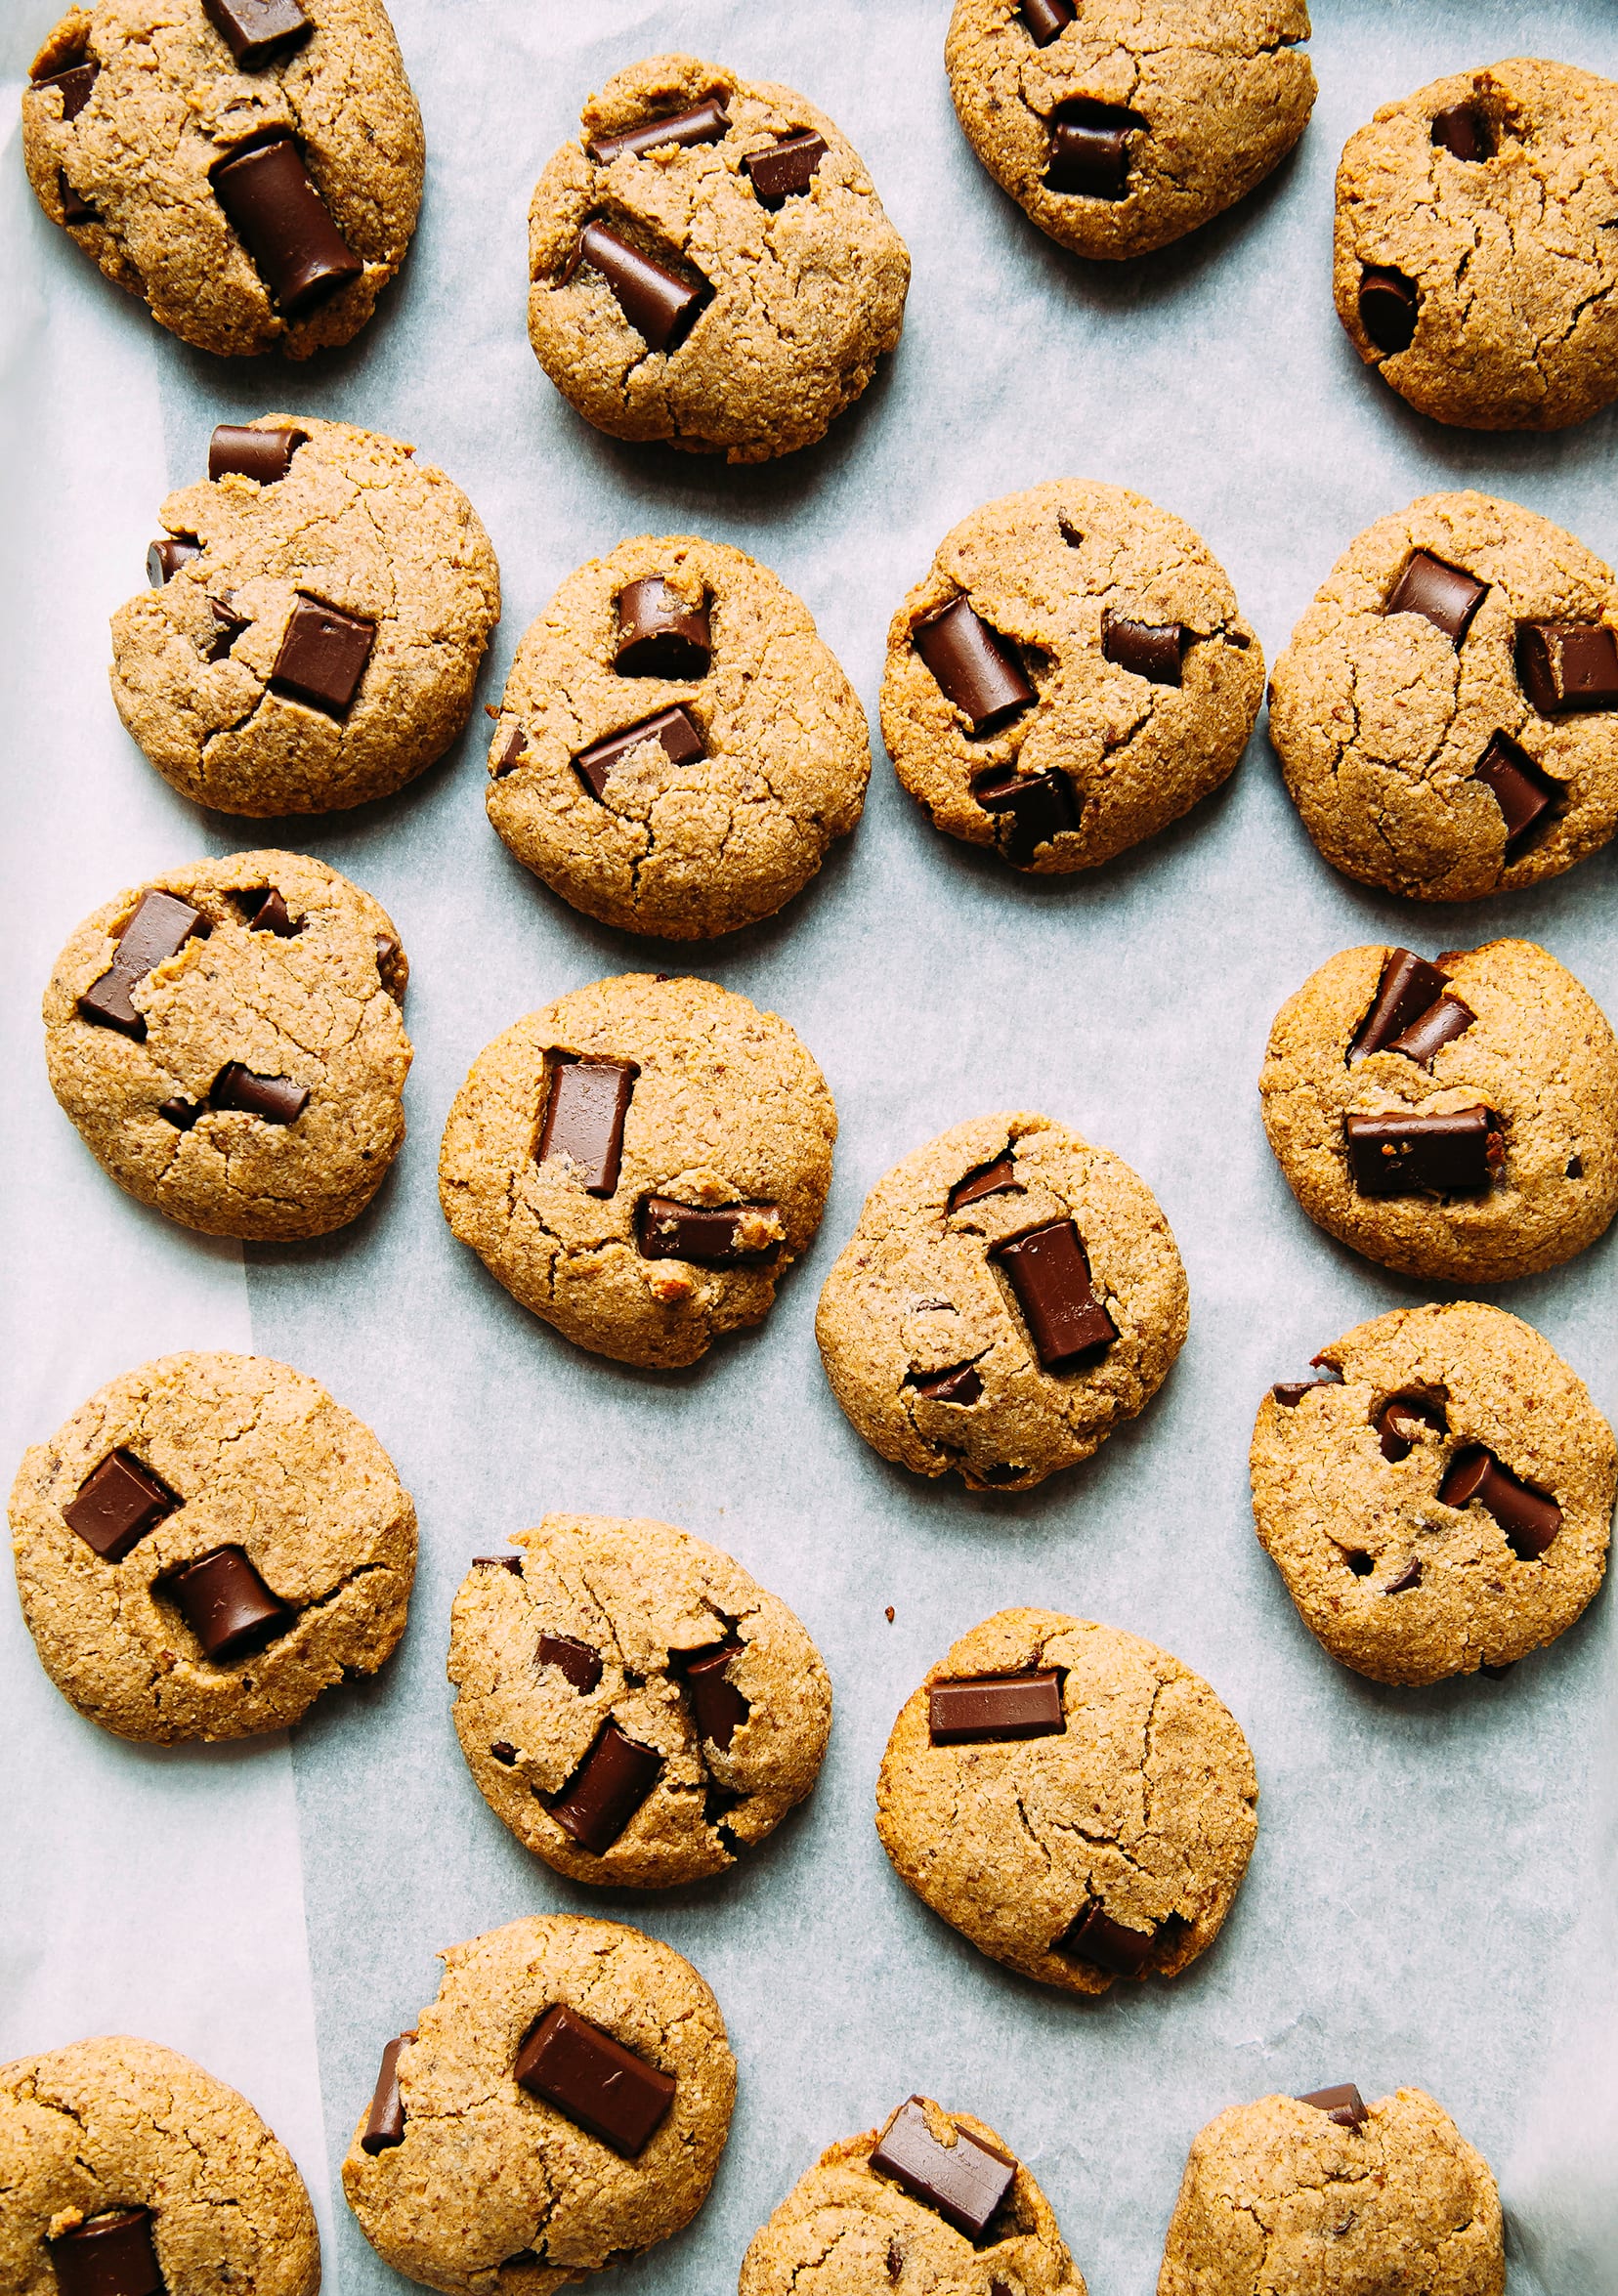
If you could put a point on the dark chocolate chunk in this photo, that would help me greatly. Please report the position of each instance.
(181, 1113)
(963, 1384)
(108, 2255)
(659, 304)
(977, 669)
(117, 1505)
(277, 1099)
(584, 1113)
(1529, 1518)
(1445, 595)
(76, 208)
(1148, 650)
(1346, 2106)
(1038, 807)
(785, 168)
(1408, 986)
(503, 1752)
(599, 2083)
(227, 628)
(1433, 1030)
(1387, 308)
(708, 1235)
(1089, 149)
(572, 1658)
(985, 1710)
(660, 636)
(167, 555)
(75, 82)
(268, 912)
(385, 2124)
(676, 729)
(158, 928)
(1402, 1417)
(241, 451)
(988, 1179)
(323, 658)
(717, 1706)
(1567, 667)
(512, 756)
(1464, 131)
(705, 123)
(227, 1606)
(606, 1790)
(1409, 1577)
(1093, 1935)
(1523, 794)
(964, 2182)
(1453, 1155)
(510, 1562)
(259, 32)
(1047, 19)
(282, 222)
(1290, 1394)
(1050, 1276)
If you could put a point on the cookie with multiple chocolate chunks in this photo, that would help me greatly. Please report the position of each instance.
(316, 619)
(1109, 1846)
(1456, 1120)
(251, 169)
(711, 264)
(676, 747)
(632, 1704)
(1009, 1298)
(589, 1134)
(228, 1039)
(559, 2109)
(1446, 712)
(1071, 675)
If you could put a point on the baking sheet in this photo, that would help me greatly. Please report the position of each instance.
(1432, 1898)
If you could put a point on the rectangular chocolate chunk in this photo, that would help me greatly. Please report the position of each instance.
(168, 554)
(244, 450)
(1344, 2104)
(717, 1706)
(606, 1790)
(385, 2122)
(1050, 1276)
(708, 1235)
(584, 1115)
(703, 123)
(1430, 1030)
(1453, 1155)
(268, 912)
(158, 928)
(1445, 595)
(1407, 987)
(988, 1179)
(675, 729)
(323, 658)
(117, 1505)
(1047, 19)
(512, 756)
(1522, 791)
(964, 2182)
(1464, 131)
(74, 85)
(75, 209)
(599, 2083)
(962, 1384)
(1036, 806)
(786, 168)
(659, 304)
(1089, 149)
(227, 1606)
(658, 635)
(284, 223)
(1147, 649)
(108, 2255)
(278, 1100)
(575, 1660)
(259, 32)
(1567, 667)
(978, 671)
(1529, 1518)
(984, 1710)
(1094, 1937)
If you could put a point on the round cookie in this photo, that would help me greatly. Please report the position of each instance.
(475, 2181)
(949, 1343)
(319, 614)
(864, 2219)
(1071, 675)
(1456, 1120)
(1288, 2196)
(256, 187)
(728, 286)
(208, 1544)
(1475, 265)
(1446, 712)
(755, 755)
(1116, 127)
(639, 1162)
(1088, 1822)
(631, 1704)
(228, 1039)
(120, 2162)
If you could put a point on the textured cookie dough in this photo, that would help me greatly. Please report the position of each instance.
(689, 850)
(130, 174)
(915, 1294)
(1194, 105)
(643, 1598)
(117, 2123)
(1047, 569)
(845, 2229)
(260, 1459)
(1279, 2201)
(727, 1110)
(1538, 1055)
(319, 1007)
(806, 297)
(1143, 1804)
(1381, 720)
(1389, 1579)
(1504, 273)
(494, 2191)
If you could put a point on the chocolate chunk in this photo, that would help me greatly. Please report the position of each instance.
(510, 1562)
(1464, 131)
(977, 669)
(241, 451)
(660, 305)
(227, 628)
(277, 1099)
(1433, 1030)
(75, 83)
(709, 1236)
(117, 1505)
(158, 928)
(323, 658)
(660, 636)
(1290, 1394)
(1089, 149)
(705, 123)
(717, 1706)
(1408, 986)
(1387, 308)
(227, 1606)
(108, 2255)
(1038, 807)
(1445, 595)
(1047, 19)
(1567, 667)
(988, 1179)
(1050, 1276)
(584, 1113)
(786, 168)
(1346, 2106)
(167, 555)
(1522, 793)
(512, 756)
(986, 1710)
(268, 912)
(1409, 1577)
(1454, 1155)
(181, 1113)
(1093, 1935)
(385, 2124)
(1401, 1418)
(598, 2083)
(503, 1752)
(964, 2182)
(75, 208)
(676, 729)
(282, 222)
(1148, 650)
(573, 1659)
(963, 1384)
(1529, 1518)
(606, 1790)
(1574, 1169)
(259, 32)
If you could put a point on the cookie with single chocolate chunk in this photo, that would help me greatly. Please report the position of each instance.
(709, 264)
(1446, 712)
(1116, 127)
(639, 1162)
(1440, 1497)
(1458, 1118)
(250, 168)
(631, 1704)
(676, 747)
(317, 616)
(1009, 1298)
(1072, 1800)
(228, 1039)
(1071, 675)
(560, 2108)
(1474, 266)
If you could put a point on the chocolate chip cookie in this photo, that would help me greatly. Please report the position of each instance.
(711, 264)
(228, 1039)
(1446, 713)
(1116, 128)
(560, 2108)
(1475, 265)
(316, 619)
(1455, 1119)
(1071, 675)
(250, 168)
(639, 1164)
(1010, 1297)
(1070, 1798)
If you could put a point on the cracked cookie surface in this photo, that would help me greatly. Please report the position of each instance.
(315, 1007)
(1539, 1056)
(641, 1600)
(1053, 571)
(916, 1297)
(493, 2192)
(805, 294)
(258, 1457)
(130, 173)
(1279, 2201)
(357, 525)
(1480, 209)
(1204, 101)
(1381, 719)
(1142, 1805)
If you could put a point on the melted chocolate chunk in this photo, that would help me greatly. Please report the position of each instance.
(675, 729)
(117, 1505)
(181, 1113)
(599, 2083)
(1409, 1578)
(1428, 1034)
(1147, 649)
(1050, 1276)
(227, 1606)
(1346, 2106)
(1387, 308)
(717, 1706)
(277, 1099)
(1407, 988)
(1093, 1935)
(1038, 807)
(988, 1179)
(1529, 1518)
(259, 32)
(1047, 19)
(1523, 794)
(238, 451)
(986, 1710)
(1567, 667)
(385, 2123)
(725, 1235)
(962, 1384)
(1399, 1421)
(787, 168)
(108, 2255)
(1454, 1155)
(167, 555)
(584, 1115)
(1445, 595)
(158, 928)
(282, 222)
(660, 305)
(964, 2182)
(1464, 131)
(1089, 149)
(606, 1790)
(660, 636)
(703, 123)
(978, 671)
(323, 658)
(75, 83)
(573, 1659)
